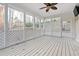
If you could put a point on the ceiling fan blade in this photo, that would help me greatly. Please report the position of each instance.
(47, 4)
(54, 8)
(54, 3)
(47, 9)
(42, 7)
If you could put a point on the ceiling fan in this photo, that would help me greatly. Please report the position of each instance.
(49, 6)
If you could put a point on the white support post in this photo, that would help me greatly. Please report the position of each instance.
(75, 18)
(44, 26)
(33, 23)
(24, 20)
(77, 28)
(24, 26)
(6, 25)
(61, 27)
(51, 25)
(39, 23)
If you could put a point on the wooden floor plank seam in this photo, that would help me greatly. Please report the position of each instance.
(51, 44)
(50, 53)
(49, 48)
(68, 48)
(74, 51)
(58, 48)
(54, 48)
(45, 44)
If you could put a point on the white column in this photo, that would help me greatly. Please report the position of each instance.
(77, 28)
(39, 23)
(33, 23)
(61, 27)
(24, 26)
(24, 20)
(44, 26)
(74, 28)
(51, 25)
(6, 24)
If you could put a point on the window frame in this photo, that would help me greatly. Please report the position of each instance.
(20, 13)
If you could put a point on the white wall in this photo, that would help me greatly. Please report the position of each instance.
(69, 16)
(77, 28)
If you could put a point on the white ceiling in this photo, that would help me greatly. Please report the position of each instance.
(35, 8)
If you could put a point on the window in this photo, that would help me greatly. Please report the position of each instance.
(16, 19)
(2, 14)
(56, 19)
(66, 26)
(42, 22)
(47, 20)
(56, 25)
(37, 22)
(29, 21)
(2, 18)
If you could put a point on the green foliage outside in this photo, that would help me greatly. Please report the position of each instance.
(28, 25)
(31, 24)
(37, 25)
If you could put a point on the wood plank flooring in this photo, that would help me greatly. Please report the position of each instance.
(44, 46)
